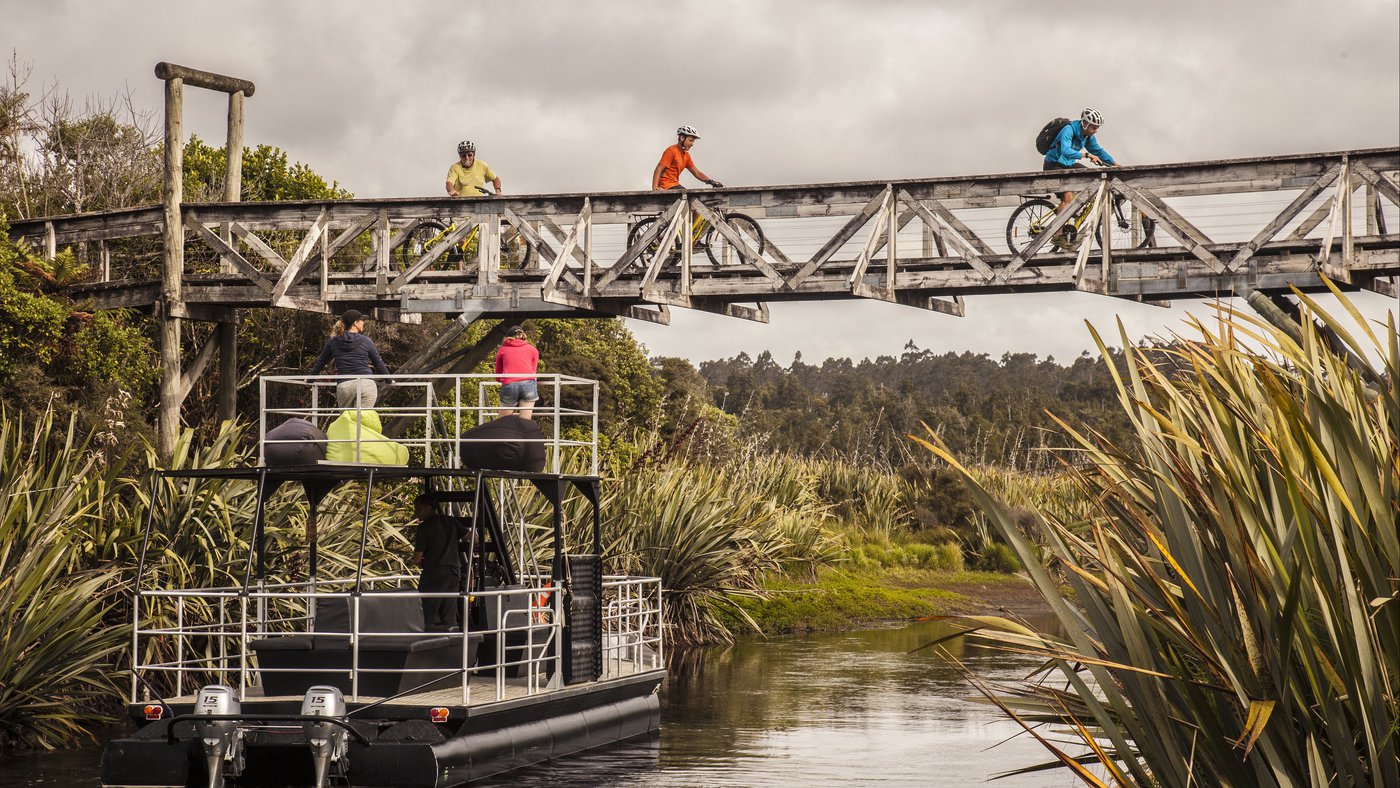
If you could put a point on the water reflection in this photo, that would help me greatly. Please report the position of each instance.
(852, 708)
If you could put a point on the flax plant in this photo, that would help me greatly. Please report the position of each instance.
(55, 654)
(1231, 608)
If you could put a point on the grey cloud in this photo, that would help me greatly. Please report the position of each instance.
(568, 96)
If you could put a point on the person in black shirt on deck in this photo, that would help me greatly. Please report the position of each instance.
(354, 354)
(437, 549)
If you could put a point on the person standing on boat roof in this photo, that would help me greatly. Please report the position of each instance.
(517, 363)
(437, 549)
(354, 354)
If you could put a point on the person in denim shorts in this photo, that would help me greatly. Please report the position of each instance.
(517, 362)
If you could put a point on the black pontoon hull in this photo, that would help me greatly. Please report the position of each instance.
(405, 750)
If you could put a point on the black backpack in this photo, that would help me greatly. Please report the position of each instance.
(1047, 135)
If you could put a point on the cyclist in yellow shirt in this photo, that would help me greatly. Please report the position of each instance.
(468, 177)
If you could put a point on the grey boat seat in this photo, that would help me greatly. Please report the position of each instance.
(291, 664)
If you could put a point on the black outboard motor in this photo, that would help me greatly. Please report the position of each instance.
(510, 443)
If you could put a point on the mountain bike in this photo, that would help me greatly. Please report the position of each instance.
(705, 237)
(1037, 212)
(428, 234)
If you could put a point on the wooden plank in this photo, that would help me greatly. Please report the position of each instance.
(956, 225)
(675, 232)
(633, 252)
(1176, 225)
(932, 219)
(1082, 257)
(857, 276)
(747, 252)
(198, 365)
(1061, 219)
(542, 247)
(1284, 217)
(240, 262)
(433, 255)
(1376, 181)
(559, 232)
(258, 245)
(299, 258)
(569, 246)
(846, 233)
(1334, 213)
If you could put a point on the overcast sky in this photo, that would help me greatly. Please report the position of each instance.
(578, 96)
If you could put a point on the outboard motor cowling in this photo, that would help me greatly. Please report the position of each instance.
(327, 741)
(221, 739)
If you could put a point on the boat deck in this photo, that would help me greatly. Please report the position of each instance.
(482, 690)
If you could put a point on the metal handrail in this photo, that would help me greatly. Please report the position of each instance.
(632, 636)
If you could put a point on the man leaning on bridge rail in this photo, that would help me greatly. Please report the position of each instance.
(469, 175)
(1073, 141)
(676, 158)
(354, 354)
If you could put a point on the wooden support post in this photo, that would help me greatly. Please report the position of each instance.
(1373, 208)
(228, 370)
(687, 248)
(488, 250)
(233, 169)
(172, 267)
(104, 259)
(588, 250)
(892, 242)
(1348, 187)
(50, 241)
(1106, 234)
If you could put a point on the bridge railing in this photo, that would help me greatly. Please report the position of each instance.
(420, 419)
(1219, 226)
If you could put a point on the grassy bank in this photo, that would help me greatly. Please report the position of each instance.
(842, 599)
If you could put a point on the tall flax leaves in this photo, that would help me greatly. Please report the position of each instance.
(55, 654)
(71, 521)
(1232, 614)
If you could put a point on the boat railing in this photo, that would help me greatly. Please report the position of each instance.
(422, 417)
(238, 638)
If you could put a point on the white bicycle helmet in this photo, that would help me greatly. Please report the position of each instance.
(1091, 116)
(465, 147)
(688, 131)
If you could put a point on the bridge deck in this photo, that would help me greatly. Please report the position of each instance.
(1217, 227)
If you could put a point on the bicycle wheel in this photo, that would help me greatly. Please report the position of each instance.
(420, 241)
(640, 229)
(1027, 221)
(745, 226)
(1122, 238)
(515, 248)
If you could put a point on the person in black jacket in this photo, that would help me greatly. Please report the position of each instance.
(437, 549)
(354, 354)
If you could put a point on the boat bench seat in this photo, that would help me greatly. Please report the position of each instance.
(389, 664)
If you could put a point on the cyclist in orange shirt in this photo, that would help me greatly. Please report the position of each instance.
(677, 158)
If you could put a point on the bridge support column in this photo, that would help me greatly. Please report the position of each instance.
(172, 267)
(175, 383)
(233, 192)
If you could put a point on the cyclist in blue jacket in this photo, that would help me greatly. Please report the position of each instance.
(1075, 142)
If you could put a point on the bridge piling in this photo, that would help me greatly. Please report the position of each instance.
(175, 382)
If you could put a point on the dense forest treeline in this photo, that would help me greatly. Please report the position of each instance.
(993, 411)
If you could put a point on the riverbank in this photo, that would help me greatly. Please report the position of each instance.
(842, 599)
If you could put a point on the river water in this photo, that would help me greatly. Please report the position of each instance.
(853, 708)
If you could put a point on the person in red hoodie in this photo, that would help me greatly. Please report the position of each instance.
(516, 364)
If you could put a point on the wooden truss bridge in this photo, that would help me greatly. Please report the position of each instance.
(1232, 227)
